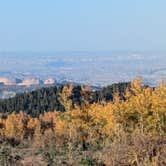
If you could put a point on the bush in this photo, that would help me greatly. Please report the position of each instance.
(88, 161)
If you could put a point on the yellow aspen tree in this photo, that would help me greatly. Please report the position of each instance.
(65, 97)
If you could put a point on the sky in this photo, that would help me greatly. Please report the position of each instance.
(82, 25)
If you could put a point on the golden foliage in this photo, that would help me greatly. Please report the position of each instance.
(144, 109)
(65, 97)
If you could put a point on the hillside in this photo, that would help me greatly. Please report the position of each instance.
(48, 99)
(126, 131)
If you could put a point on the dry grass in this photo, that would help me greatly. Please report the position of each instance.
(135, 149)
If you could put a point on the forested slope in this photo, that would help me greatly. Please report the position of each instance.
(130, 132)
(49, 99)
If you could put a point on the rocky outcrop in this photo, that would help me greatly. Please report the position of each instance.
(26, 82)
(50, 81)
(7, 81)
(30, 81)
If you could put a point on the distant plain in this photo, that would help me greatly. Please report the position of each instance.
(98, 68)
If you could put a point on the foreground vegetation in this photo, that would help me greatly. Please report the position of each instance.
(129, 131)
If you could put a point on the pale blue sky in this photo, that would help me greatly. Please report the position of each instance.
(82, 25)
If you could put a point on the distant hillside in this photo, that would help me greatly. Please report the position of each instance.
(48, 99)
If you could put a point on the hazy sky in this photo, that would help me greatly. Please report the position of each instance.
(82, 25)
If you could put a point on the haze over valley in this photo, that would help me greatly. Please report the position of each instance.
(100, 69)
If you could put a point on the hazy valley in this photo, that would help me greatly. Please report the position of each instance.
(105, 67)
